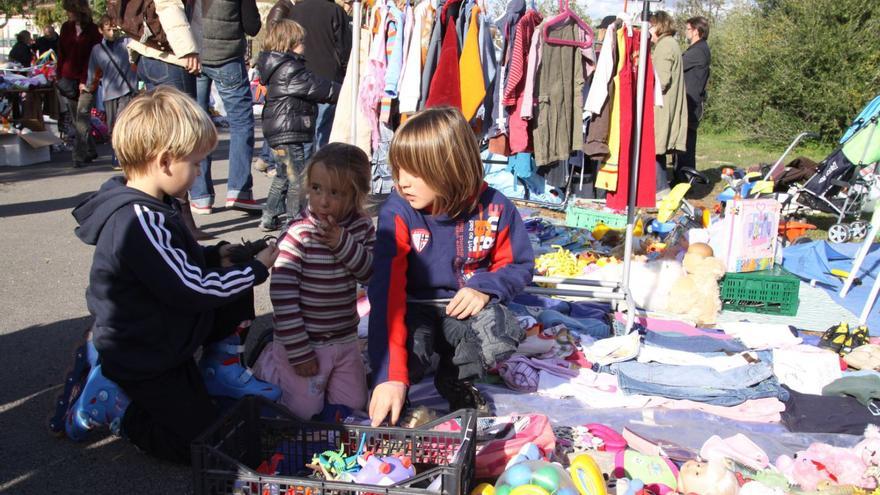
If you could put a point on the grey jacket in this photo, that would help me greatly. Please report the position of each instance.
(225, 24)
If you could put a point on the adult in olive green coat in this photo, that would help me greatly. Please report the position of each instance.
(670, 120)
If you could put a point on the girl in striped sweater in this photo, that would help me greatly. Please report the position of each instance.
(326, 251)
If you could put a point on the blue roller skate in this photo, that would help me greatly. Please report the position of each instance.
(85, 358)
(226, 377)
(101, 403)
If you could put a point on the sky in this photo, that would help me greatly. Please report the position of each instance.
(597, 9)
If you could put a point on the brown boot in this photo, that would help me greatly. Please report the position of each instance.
(188, 220)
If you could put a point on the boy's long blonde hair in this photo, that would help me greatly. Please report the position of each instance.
(284, 35)
(162, 120)
(438, 146)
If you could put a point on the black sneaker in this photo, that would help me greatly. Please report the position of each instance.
(461, 394)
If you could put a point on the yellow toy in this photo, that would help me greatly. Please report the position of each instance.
(560, 263)
(601, 229)
(669, 205)
(587, 476)
(483, 489)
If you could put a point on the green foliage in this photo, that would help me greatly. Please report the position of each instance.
(780, 67)
(47, 15)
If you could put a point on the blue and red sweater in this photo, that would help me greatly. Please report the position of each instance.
(423, 257)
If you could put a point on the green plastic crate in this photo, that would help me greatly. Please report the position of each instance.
(589, 218)
(772, 292)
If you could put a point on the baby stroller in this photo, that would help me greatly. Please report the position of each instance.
(843, 181)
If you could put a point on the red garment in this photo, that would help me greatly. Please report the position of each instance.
(646, 190)
(74, 51)
(445, 87)
(514, 91)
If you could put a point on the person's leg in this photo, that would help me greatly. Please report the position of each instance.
(662, 180)
(157, 73)
(84, 150)
(323, 124)
(276, 200)
(113, 108)
(202, 191)
(168, 412)
(265, 160)
(423, 323)
(234, 89)
(687, 158)
(298, 154)
(347, 384)
(304, 396)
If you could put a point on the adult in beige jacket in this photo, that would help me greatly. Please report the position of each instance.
(179, 66)
(670, 120)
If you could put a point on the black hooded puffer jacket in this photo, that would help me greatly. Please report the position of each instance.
(293, 93)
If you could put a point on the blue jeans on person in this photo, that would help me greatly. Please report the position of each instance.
(693, 343)
(266, 153)
(235, 91)
(285, 192)
(699, 383)
(157, 73)
(323, 124)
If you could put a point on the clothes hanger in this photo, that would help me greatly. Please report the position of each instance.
(565, 15)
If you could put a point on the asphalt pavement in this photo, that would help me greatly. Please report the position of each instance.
(43, 315)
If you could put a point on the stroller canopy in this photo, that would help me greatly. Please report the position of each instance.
(861, 142)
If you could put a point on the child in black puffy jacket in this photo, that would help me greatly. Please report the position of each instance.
(293, 93)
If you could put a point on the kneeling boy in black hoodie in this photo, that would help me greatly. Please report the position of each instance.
(157, 295)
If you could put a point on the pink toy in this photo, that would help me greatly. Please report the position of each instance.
(384, 471)
(822, 462)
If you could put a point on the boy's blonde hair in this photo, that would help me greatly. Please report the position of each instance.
(164, 119)
(438, 146)
(284, 35)
(349, 167)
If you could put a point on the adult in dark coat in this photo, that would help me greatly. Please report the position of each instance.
(327, 48)
(21, 51)
(696, 62)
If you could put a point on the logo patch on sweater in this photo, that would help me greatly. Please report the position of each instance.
(420, 239)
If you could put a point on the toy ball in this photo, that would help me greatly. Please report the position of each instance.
(483, 489)
(535, 478)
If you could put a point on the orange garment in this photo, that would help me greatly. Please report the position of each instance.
(473, 86)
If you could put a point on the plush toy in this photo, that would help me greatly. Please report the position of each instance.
(869, 450)
(696, 295)
(821, 463)
(715, 477)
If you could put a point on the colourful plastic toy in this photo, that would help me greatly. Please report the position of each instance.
(535, 478)
(587, 476)
(384, 471)
(483, 489)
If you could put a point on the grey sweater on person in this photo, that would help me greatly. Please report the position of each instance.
(114, 82)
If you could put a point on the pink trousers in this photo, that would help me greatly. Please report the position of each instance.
(341, 379)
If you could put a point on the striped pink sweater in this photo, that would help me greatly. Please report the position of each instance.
(314, 288)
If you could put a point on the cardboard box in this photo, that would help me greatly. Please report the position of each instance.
(746, 239)
(26, 149)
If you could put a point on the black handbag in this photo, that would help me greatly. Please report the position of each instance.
(69, 88)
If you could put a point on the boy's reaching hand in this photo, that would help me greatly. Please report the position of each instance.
(388, 398)
(268, 255)
(307, 369)
(466, 303)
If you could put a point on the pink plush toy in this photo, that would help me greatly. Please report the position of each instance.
(869, 450)
(822, 462)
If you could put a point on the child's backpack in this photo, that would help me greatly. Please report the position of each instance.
(138, 19)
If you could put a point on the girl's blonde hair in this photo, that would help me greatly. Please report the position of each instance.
(162, 120)
(664, 23)
(349, 168)
(284, 35)
(438, 146)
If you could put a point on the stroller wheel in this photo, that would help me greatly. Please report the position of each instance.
(858, 230)
(838, 233)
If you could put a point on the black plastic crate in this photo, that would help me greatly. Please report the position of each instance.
(226, 457)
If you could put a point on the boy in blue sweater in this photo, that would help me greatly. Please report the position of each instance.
(450, 252)
(156, 295)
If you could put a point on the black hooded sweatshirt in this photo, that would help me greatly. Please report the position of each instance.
(150, 289)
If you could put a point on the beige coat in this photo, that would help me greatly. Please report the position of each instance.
(183, 35)
(670, 120)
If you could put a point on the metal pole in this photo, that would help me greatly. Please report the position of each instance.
(355, 59)
(634, 161)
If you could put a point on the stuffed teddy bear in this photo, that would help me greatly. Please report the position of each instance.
(696, 295)
(715, 477)
(869, 450)
(825, 463)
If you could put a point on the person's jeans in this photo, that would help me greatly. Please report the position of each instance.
(156, 73)
(324, 124)
(235, 91)
(285, 195)
(266, 153)
(81, 109)
(699, 383)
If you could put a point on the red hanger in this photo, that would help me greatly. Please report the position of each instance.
(566, 14)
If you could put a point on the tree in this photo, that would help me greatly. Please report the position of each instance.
(710, 9)
(11, 8)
